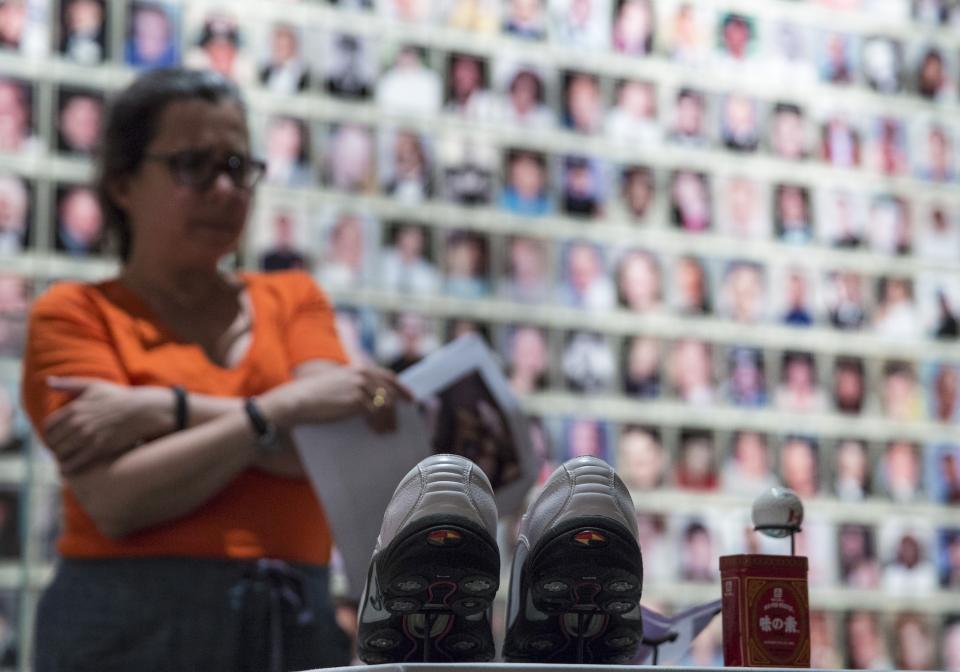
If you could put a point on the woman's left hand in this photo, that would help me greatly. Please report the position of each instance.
(103, 419)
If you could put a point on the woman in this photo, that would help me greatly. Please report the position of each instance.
(191, 539)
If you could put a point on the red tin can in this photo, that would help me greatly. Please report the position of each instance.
(766, 612)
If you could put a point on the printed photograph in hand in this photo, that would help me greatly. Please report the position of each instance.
(465, 419)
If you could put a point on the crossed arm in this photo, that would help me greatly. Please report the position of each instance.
(129, 469)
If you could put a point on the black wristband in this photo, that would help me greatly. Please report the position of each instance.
(260, 424)
(267, 436)
(180, 408)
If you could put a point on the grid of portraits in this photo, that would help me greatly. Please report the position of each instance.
(713, 242)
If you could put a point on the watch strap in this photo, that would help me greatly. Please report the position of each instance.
(268, 438)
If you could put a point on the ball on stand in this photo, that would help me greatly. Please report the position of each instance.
(778, 513)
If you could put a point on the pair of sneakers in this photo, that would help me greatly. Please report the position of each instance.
(575, 581)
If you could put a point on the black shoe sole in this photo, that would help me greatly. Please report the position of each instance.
(439, 577)
(586, 579)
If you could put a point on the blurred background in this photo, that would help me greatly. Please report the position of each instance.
(714, 242)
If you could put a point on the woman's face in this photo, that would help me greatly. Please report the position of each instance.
(184, 226)
(523, 92)
(931, 74)
(466, 76)
(151, 32)
(526, 176)
(792, 206)
(690, 282)
(638, 194)
(639, 282)
(751, 451)
(529, 351)
(638, 99)
(641, 459)
(634, 22)
(642, 359)
(222, 54)
(284, 141)
(583, 102)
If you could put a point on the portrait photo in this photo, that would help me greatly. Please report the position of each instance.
(16, 293)
(407, 165)
(638, 191)
(153, 35)
(17, 130)
(82, 29)
(583, 106)
(691, 208)
(583, 183)
(642, 461)
(16, 209)
(588, 362)
(347, 253)
(406, 338)
(633, 115)
(287, 148)
(219, 44)
(468, 169)
(527, 276)
(853, 470)
(466, 265)
(408, 84)
(584, 277)
(748, 469)
(349, 66)
(285, 70)
(582, 436)
(524, 90)
(281, 238)
(406, 263)
(526, 183)
(641, 367)
(79, 115)
(634, 27)
(697, 461)
(79, 228)
(581, 23)
(350, 158)
(526, 355)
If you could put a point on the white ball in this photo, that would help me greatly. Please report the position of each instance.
(778, 512)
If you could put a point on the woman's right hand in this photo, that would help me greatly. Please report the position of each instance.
(338, 392)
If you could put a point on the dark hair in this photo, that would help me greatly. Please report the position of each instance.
(131, 124)
(788, 108)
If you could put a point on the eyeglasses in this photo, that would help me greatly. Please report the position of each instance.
(199, 168)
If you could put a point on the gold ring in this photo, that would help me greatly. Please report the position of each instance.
(379, 397)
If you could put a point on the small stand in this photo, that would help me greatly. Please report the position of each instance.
(781, 529)
(655, 645)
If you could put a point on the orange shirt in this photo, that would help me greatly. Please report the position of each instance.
(104, 331)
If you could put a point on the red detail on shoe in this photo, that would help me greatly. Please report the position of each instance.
(444, 537)
(590, 538)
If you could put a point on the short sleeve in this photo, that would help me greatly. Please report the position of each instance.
(311, 332)
(67, 336)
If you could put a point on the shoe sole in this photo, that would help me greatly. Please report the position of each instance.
(584, 579)
(439, 577)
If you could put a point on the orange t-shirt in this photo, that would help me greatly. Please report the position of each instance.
(104, 331)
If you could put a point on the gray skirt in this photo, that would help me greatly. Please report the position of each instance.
(187, 614)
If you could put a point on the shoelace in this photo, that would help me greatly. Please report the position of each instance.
(286, 592)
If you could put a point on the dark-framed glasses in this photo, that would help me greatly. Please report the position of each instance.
(199, 168)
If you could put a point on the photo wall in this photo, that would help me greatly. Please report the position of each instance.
(712, 242)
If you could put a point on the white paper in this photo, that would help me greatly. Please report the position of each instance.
(676, 632)
(354, 470)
